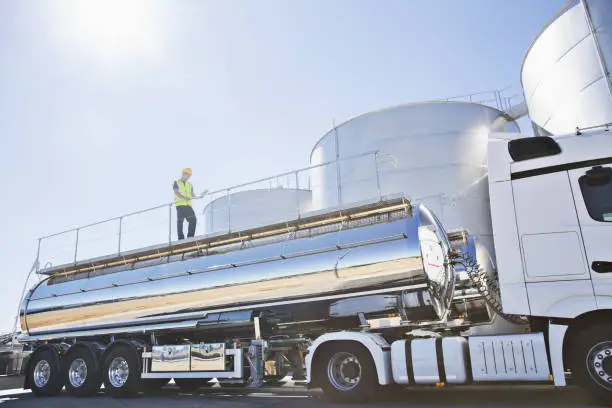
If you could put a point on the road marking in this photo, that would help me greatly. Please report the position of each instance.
(272, 395)
(14, 391)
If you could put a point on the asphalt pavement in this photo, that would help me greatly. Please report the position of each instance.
(508, 396)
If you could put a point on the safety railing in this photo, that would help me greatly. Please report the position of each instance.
(497, 98)
(270, 200)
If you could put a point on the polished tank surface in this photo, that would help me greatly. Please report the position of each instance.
(432, 152)
(565, 73)
(255, 207)
(381, 256)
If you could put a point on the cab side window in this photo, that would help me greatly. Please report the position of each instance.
(596, 187)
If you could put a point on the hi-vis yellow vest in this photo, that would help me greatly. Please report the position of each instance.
(185, 189)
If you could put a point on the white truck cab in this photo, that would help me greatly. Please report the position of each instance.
(551, 208)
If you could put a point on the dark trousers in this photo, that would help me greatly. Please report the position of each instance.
(185, 212)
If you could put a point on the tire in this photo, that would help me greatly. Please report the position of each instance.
(346, 372)
(81, 372)
(591, 361)
(153, 384)
(192, 384)
(44, 373)
(121, 372)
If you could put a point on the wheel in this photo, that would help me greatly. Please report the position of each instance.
(192, 384)
(591, 360)
(153, 384)
(44, 373)
(121, 372)
(81, 373)
(346, 372)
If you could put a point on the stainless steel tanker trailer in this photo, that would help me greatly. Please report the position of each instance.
(244, 307)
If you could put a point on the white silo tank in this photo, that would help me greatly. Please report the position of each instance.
(565, 74)
(432, 152)
(253, 208)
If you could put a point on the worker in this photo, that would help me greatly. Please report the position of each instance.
(183, 193)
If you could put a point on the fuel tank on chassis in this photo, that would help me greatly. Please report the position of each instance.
(406, 257)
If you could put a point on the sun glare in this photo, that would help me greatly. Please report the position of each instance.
(111, 31)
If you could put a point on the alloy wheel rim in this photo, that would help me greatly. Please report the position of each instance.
(344, 371)
(77, 372)
(118, 372)
(599, 363)
(42, 373)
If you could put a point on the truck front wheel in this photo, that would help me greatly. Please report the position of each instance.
(591, 360)
(346, 372)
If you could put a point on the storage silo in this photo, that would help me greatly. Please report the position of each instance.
(565, 74)
(252, 208)
(432, 152)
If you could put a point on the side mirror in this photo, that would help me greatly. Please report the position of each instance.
(598, 176)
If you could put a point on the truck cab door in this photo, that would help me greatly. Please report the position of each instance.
(592, 190)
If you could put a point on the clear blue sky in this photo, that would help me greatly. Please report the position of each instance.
(102, 103)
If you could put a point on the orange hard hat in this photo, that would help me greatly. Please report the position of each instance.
(187, 170)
